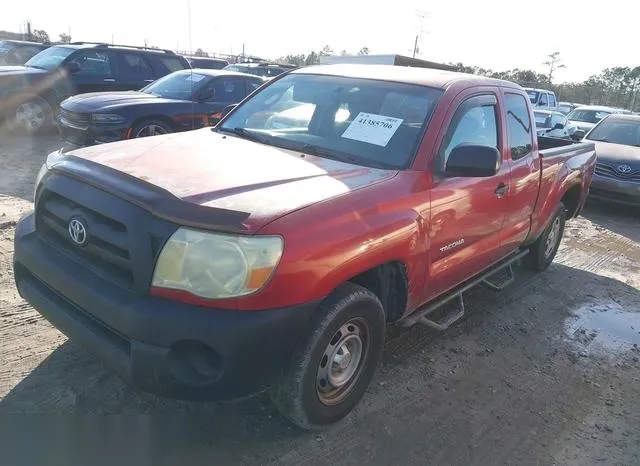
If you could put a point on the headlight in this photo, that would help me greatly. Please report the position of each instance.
(107, 118)
(215, 266)
(43, 171)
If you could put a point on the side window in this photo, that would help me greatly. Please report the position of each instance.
(93, 62)
(24, 53)
(252, 85)
(135, 64)
(552, 100)
(518, 125)
(228, 90)
(544, 101)
(473, 123)
(171, 63)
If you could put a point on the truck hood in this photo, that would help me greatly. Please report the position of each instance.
(97, 101)
(20, 70)
(215, 170)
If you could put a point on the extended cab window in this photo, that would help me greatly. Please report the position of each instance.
(543, 100)
(552, 100)
(518, 125)
(473, 123)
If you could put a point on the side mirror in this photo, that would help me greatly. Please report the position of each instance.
(206, 94)
(578, 134)
(72, 67)
(470, 160)
(558, 126)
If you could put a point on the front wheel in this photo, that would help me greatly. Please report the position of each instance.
(332, 369)
(150, 128)
(544, 250)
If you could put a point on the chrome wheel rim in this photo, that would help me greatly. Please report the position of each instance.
(342, 362)
(150, 130)
(552, 237)
(30, 116)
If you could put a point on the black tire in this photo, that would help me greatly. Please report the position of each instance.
(300, 393)
(542, 253)
(161, 128)
(32, 115)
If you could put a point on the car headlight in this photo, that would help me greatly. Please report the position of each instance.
(216, 266)
(51, 160)
(107, 118)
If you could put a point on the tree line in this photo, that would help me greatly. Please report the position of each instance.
(614, 87)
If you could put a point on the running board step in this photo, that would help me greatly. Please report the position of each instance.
(500, 279)
(420, 314)
(448, 320)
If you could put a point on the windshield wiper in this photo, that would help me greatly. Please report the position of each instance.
(599, 140)
(341, 156)
(243, 133)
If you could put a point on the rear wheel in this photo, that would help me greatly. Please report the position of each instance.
(150, 128)
(544, 250)
(31, 116)
(331, 371)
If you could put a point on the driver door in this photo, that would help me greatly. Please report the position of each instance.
(467, 213)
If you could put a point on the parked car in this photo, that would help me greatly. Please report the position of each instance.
(617, 174)
(18, 52)
(266, 70)
(207, 62)
(553, 124)
(31, 93)
(182, 100)
(585, 118)
(567, 107)
(542, 99)
(218, 262)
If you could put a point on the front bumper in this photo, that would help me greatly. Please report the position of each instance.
(75, 137)
(157, 345)
(615, 190)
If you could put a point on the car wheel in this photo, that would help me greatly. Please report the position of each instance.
(31, 116)
(543, 251)
(150, 128)
(332, 369)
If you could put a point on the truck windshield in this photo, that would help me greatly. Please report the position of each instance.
(625, 132)
(50, 58)
(361, 121)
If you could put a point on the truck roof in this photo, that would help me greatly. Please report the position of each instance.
(409, 75)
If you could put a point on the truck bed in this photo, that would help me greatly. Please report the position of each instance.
(550, 147)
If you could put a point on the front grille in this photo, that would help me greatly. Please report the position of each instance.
(106, 250)
(74, 119)
(611, 172)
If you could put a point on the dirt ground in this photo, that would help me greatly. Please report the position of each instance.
(546, 372)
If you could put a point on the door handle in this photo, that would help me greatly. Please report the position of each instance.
(502, 189)
(148, 80)
(109, 80)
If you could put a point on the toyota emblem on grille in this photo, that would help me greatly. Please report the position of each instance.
(624, 168)
(77, 231)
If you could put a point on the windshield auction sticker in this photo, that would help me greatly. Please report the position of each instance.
(373, 129)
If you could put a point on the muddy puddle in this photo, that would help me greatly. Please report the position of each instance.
(604, 327)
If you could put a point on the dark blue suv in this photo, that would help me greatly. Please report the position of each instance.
(31, 93)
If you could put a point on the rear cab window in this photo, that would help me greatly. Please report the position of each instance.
(518, 125)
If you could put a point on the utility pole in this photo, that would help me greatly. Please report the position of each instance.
(420, 15)
(243, 59)
(29, 36)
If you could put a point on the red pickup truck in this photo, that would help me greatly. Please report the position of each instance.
(270, 251)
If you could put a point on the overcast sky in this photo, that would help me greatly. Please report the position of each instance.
(496, 34)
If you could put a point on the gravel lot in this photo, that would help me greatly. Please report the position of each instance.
(545, 372)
